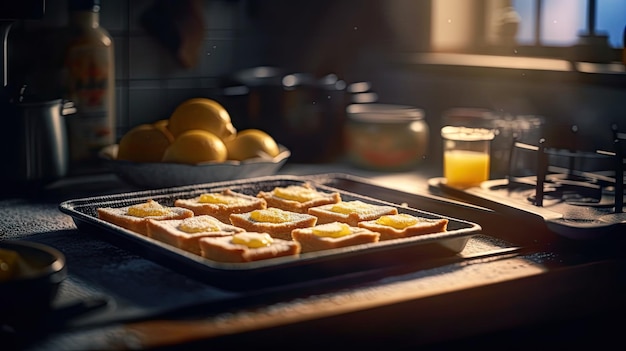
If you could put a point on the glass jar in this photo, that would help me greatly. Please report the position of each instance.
(386, 137)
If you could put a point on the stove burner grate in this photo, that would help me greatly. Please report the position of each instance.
(562, 181)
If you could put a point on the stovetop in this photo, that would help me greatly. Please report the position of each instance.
(578, 193)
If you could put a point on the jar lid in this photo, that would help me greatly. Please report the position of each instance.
(466, 134)
(384, 113)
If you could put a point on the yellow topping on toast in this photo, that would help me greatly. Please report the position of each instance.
(148, 209)
(334, 230)
(271, 215)
(296, 193)
(198, 224)
(347, 207)
(216, 198)
(252, 240)
(398, 221)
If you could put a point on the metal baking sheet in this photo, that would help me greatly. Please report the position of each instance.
(284, 270)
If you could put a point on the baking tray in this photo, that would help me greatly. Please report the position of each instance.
(271, 272)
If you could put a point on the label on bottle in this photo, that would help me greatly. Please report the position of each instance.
(90, 85)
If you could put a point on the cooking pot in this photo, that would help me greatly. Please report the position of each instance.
(37, 149)
(304, 113)
(43, 144)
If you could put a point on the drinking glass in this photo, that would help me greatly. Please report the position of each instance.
(466, 155)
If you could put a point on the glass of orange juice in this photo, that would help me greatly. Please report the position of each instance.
(466, 155)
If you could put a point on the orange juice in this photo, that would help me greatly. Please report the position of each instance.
(465, 168)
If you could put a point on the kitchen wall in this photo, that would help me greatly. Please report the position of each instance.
(350, 38)
(150, 82)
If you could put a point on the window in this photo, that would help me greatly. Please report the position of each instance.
(560, 22)
(612, 19)
(539, 28)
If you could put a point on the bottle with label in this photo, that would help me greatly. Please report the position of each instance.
(90, 84)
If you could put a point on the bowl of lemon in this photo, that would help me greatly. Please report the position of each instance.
(197, 144)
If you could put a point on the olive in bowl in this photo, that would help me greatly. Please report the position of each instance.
(30, 276)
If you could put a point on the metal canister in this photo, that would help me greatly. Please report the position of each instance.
(43, 146)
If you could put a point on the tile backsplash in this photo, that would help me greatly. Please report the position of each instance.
(150, 82)
(321, 37)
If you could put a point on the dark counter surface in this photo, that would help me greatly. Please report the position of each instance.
(539, 294)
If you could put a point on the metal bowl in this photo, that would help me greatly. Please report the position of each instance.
(29, 292)
(152, 175)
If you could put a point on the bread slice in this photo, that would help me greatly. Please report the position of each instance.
(298, 198)
(221, 204)
(184, 234)
(274, 221)
(237, 248)
(331, 236)
(135, 217)
(404, 225)
(350, 212)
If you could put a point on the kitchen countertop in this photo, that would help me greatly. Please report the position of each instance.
(543, 292)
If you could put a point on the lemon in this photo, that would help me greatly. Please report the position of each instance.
(251, 143)
(144, 143)
(9, 264)
(162, 123)
(196, 146)
(202, 113)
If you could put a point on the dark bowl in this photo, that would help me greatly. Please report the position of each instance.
(29, 293)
